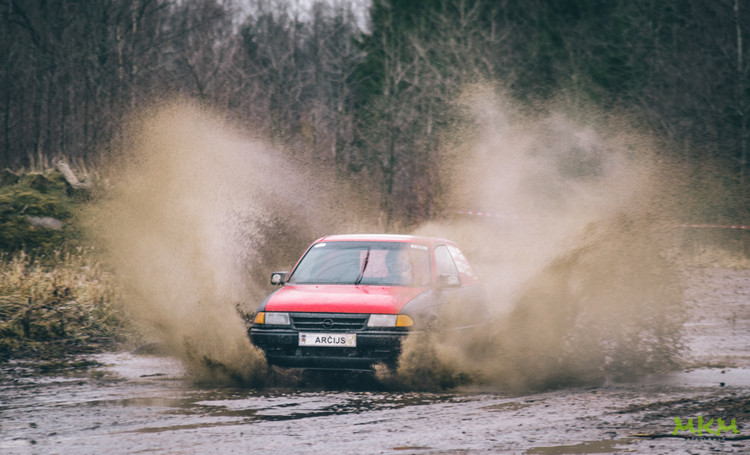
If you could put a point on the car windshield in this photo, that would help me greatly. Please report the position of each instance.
(366, 263)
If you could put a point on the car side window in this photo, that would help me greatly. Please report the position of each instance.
(444, 262)
(464, 268)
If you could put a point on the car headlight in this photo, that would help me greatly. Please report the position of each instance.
(271, 318)
(390, 320)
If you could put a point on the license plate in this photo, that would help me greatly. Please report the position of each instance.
(328, 339)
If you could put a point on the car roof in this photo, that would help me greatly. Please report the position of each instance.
(384, 238)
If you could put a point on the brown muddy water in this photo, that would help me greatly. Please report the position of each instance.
(130, 403)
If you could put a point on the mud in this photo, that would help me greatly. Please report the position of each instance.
(129, 403)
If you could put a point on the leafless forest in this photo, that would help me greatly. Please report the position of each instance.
(375, 98)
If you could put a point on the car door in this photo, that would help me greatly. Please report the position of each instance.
(460, 294)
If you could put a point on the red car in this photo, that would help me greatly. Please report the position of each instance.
(351, 300)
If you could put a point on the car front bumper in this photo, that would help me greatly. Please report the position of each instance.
(282, 349)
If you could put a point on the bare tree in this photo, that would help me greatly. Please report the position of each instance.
(421, 68)
(73, 68)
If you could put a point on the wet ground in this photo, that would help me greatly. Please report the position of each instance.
(130, 403)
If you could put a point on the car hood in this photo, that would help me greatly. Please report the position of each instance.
(342, 299)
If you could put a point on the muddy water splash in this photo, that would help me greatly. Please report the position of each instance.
(574, 262)
(189, 224)
(574, 266)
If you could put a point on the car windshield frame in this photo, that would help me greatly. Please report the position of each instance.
(376, 263)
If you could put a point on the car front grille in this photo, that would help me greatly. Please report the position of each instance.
(327, 321)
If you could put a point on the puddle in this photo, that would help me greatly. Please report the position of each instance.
(610, 446)
(705, 377)
(503, 407)
(127, 403)
(134, 367)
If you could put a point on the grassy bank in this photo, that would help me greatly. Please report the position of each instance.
(60, 305)
(54, 299)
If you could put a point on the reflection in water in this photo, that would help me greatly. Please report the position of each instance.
(141, 403)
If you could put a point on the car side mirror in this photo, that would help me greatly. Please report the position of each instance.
(448, 281)
(279, 278)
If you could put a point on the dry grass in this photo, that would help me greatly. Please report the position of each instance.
(57, 306)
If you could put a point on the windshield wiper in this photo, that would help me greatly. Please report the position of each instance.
(364, 267)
